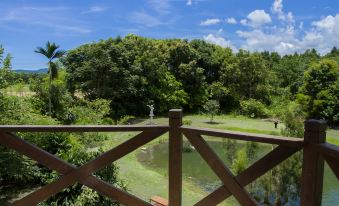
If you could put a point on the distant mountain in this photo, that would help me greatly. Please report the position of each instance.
(43, 70)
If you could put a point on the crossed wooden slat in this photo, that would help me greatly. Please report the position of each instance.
(235, 185)
(72, 174)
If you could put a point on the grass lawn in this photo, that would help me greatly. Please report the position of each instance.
(145, 182)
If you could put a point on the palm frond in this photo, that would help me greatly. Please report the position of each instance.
(41, 50)
(51, 49)
(59, 54)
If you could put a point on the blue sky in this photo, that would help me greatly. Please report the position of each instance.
(285, 26)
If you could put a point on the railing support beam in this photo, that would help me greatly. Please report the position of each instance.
(313, 164)
(175, 157)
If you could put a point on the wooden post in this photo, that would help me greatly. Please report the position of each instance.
(313, 164)
(175, 157)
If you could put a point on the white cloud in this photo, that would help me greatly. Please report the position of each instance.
(211, 38)
(322, 35)
(95, 9)
(189, 2)
(277, 8)
(243, 21)
(257, 18)
(209, 22)
(281, 40)
(58, 19)
(328, 23)
(160, 6)
(325, 33)
(231, 20)
(145, 19)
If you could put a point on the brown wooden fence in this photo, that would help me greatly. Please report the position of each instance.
(315, 151)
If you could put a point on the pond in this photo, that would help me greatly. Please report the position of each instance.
(196, 170)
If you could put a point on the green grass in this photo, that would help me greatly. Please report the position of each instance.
(245, 124)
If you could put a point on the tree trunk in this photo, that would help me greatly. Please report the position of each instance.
(49, 90)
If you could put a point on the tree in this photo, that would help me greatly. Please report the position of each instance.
(6, 75)
(319, 92)
(247, 77)
(130, 73)
(51, 52)
(212, 108)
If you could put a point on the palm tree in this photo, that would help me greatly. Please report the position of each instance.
(51, 52)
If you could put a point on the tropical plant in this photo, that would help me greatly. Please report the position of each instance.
(52, 53)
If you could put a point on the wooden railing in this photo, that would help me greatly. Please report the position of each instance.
(315, 150)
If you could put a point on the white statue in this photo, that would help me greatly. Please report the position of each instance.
(151, 114)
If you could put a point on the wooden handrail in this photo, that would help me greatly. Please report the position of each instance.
(79, 128)
(278, 140)
(315, 150)
(327, 149)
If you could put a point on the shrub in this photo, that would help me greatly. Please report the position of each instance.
(253, 108)
(90, 112)
(293, 118)
(187, 122)
(79, 194)
(127, 119)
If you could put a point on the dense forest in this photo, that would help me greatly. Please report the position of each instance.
(133, 71)
(108, 81)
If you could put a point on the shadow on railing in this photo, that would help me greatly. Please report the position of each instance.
(315, 150)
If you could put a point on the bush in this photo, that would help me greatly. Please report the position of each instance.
(16, 170)
(253, 108)
(79, 194)
(187, 122)
(127, 119)
(90, 112)
(293, 118)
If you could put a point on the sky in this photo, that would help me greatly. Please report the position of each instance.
(285, 26)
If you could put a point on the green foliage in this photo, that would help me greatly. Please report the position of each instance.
(212, 108)
(193, 81)
(89, 112)
(77, 193)
(187, 122)
(52, 53)
(6, 75)
(247, 77)
(58, 102)
(126, 120)
(253, 108)
(130, 73)
(319, 92)
(293, 119)
(18, 170)
(240, 162)
(187, 147)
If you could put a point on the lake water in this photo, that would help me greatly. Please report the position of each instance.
(195, 169)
